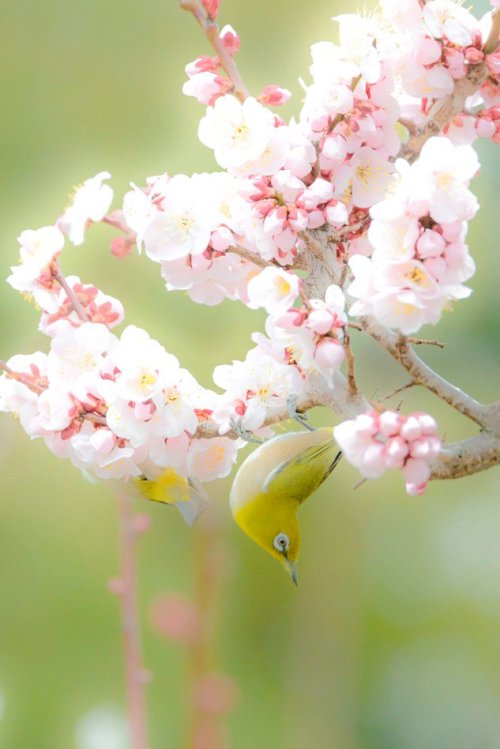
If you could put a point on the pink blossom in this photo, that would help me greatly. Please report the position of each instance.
(274, 95)
(206, 87)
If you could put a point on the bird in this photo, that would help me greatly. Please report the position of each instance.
(272, 483)
(170, 488)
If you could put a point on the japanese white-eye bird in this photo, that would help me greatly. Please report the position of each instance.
(170, 488)
(272, 483)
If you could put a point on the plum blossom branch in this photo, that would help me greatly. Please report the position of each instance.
(397, 346)
(445, 109)
(77, 306)
(211, 31)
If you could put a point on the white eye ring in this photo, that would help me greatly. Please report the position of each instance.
(281, 543)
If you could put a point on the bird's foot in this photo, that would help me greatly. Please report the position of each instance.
(302, 419)
(243, 433)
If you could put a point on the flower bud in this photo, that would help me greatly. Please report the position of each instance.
(274, 95)
(212, 8)
(230, 39)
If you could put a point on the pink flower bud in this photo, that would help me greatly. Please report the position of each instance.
(416, 471)
(122, 246)
(427, 423)
(336, 213)
(455, 62)
(396, 450)
(416, 490)
(212, 8)
(320, 320)
(294, 318)
(474, 55)
(221, 239)
(274, 95)
(372, 463)
(202, 64)
(329, 354)
(430, 244)
(230, 39)
(411, 429)
(436, 266)
(367, 424)
(390, 423)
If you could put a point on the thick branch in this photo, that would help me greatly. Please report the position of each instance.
(467, 457)
(444, 111)
(399, 348)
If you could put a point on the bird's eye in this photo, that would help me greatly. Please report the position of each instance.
(281, 542)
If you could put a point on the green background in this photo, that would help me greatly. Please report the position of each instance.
(392, 639)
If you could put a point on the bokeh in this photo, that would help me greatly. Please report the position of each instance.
(392, 639)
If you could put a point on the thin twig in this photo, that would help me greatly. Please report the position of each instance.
(349, 362)
(398, 390)
(77, 305)
(427, 341)
(211, 31)
(38, 389)
(135, 673)
(399, 348)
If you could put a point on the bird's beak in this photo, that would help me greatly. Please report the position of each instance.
(292, 569)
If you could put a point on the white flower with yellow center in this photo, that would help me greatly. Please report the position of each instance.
(77, 354)
(143, 365)
(273, 289)
(439, 181)
(371, 174)
(237, 132)
(210, 459)
(184, 224)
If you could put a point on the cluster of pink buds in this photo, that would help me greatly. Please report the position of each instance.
(466, 128)
(375, 442)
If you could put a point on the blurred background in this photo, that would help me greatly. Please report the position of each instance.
(392, 639)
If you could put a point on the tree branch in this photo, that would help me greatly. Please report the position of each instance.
(398, 347)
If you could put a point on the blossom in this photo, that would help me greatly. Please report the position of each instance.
(237, 132)
(210, 459)
(273, 289)
(33, 276)
(91, 202)
(371, 174)
(254, 389)
(440, 180)
(142, 363)
(183, 225)
(376, 442)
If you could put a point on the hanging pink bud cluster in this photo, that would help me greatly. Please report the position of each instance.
(376, 442)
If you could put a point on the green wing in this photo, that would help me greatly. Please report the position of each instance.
(301, 475)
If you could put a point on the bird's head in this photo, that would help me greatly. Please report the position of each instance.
(275, 527)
